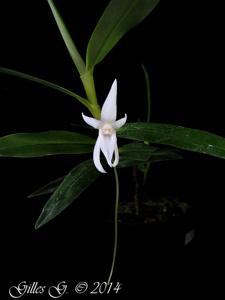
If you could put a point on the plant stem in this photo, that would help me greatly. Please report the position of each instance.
(89, 86)
(116, 225)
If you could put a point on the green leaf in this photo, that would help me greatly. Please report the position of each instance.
(45, 83)
(45, 143)
(118, 18)
(47, 188)
(77, 59)
(176, 136)
(72, 186)
(137, 153)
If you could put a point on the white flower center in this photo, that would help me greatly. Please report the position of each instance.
(107, 129)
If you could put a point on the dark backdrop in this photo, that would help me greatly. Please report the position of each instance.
(181, 46)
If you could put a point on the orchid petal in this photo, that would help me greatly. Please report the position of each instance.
(108, 144)
(116, 160)
(118, 124)
(112, 146)
(109, 110)
(96, 156)
(91, 121)
(104, 144)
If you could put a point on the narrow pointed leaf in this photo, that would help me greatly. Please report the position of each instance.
(48, 188)
(77, 181)
(45, 143)
(45, 83)
(78, 61)
(118, 18)
(176, 136)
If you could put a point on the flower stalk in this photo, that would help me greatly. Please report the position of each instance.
(116, 225)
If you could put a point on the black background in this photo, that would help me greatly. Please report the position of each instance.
(181, 46)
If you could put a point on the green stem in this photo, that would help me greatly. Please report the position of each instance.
(116, 225)
(89, 86)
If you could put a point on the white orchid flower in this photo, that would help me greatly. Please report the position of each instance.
(107, 126)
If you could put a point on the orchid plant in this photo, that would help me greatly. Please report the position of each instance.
(145, 137)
